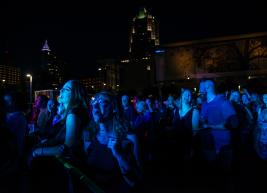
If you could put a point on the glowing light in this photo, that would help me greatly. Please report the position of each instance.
(99, 69)
(104, 84)
(125, 61)
(159, 51)
(188, 78)
(30, 76)
(118, 85)
(249, 77)
(148, 68)
(3, 80)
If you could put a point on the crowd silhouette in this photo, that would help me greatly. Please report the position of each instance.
(201, 141)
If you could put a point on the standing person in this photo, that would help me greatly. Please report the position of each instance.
(128, 112)
(15, 118)
(67, 143)
(39, 103)
(219, 116)
(110, 154)
(73, 98)
(43, 114)
(9, 161)
(142, 129)
(187, 124)
(52, 111)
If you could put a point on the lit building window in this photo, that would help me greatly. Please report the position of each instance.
(148, 68)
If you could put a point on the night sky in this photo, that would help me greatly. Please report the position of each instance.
(80, 33)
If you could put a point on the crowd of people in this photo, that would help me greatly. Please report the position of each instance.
(113, 142)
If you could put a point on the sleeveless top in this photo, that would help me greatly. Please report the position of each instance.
(184, 126)
(76, 151)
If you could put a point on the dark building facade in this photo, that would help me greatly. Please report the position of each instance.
(109, 72)
(50, 74)
(92, 84)
(144, 37)
(10, 75)
(238, 61)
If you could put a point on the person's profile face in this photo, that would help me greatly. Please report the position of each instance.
(202, 88)
(65, 93)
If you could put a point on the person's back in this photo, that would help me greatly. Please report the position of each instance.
(9, 162)
(15, 118)
(127, 111)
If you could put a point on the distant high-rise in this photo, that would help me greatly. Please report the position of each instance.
(109, 73)
(51, 70)
(10, 74)
(144, 37)
(144, 34)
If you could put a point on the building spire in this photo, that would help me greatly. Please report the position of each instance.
(46, 47)
(142, 13)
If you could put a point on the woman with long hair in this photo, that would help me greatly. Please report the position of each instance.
(110, 149)
(73, 98)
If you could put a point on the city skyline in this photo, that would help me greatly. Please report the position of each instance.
(79, 34)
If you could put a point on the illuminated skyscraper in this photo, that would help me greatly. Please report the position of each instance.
(51, 70)
(144, 37)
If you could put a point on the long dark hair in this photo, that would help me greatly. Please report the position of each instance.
(78, 96)
(120, 128)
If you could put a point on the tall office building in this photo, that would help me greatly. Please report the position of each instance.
(144, 34)
(50, 73)
(109, 73)
(10, 74)
(144, 37)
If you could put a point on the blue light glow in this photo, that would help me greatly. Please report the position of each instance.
(159, 51)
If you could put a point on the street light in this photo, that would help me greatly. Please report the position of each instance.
(29, 75)
(3, 83)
